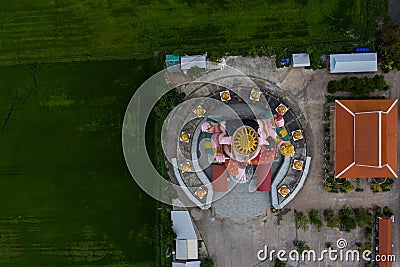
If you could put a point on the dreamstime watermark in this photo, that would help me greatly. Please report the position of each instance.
(340, 254)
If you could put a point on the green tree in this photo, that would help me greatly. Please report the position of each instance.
(345, 213)
(301, 221)
(166, 103)
(314, 219)
(207, 263)
(376, 187)
(348, 186)
(348, 223)
(333, 86)
(333, 223)
(389, 47)
(347, 84)
(329, 214)
(363, 217)
(279, 263)
(387, 211)
(302, 246)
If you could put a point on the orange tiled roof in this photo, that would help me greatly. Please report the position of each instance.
(385, 240)
(366, 138)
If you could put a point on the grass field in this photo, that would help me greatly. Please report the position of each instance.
(65, 30)
(66, 195)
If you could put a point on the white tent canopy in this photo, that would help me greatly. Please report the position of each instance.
(345, 63)
(187, 264)
(186, 238)
(188, 62)
(186, 249)
(182, 225)
(301, 60)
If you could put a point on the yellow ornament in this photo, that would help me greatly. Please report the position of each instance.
(245, 140)
(284, 191)
(185, 136)
(297, 135)
(255, 95)
(283, 132)
(225, 95)
(185, 167)
(298, 164)
(199, 111)
(287, 149)
(282, 109)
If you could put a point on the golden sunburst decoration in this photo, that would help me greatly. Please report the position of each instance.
(245, 140)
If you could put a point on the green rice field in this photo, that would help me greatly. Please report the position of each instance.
(67, 198)
(66, 30)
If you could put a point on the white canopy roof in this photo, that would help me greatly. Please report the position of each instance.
(183, 225)
(188, 62)
(186, 264)
(301, 60)
(363, 62)
(187, 249)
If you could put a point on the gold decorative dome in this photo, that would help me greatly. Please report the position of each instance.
(287, 149)
(200, 192)
(185, 136)
(225, 95)
(298, 164)
(245, 140)
(297, 134)
(185, 167)
(255, 95)
(284, 190)
(282, 109)
(199, 111)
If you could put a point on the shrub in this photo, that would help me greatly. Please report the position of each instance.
(359, 86)
(301, 221)
(348, 186)
(333, 223)
(313, 216)
(207, 263)
(279, 263)
(387, 211)
(363, 217)
(329, 214)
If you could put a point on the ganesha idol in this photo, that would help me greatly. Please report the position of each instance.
(247, 145)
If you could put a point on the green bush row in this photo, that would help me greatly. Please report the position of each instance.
(358, 86)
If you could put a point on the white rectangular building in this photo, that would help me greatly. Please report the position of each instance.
(301, 60)
(186, 264)
(188, 62)
(346, 63)
(186, 238)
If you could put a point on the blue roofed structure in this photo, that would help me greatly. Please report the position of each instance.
(172, 62)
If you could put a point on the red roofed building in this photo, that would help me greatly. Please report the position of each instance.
(385, 242)
(366, 139)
